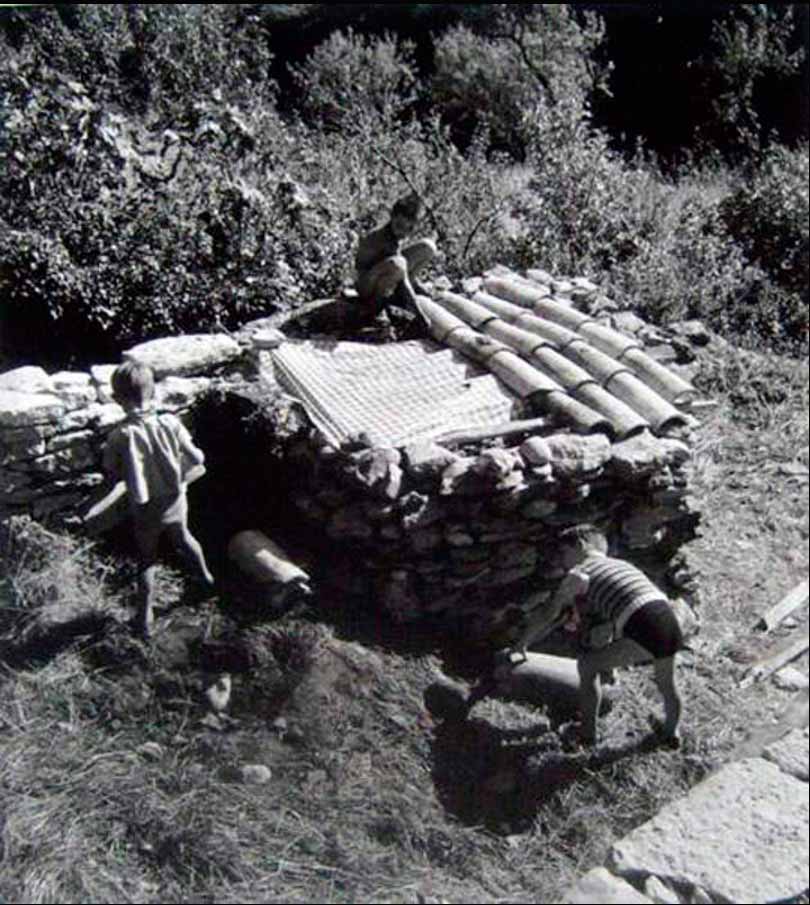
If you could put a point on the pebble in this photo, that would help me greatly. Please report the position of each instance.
(255, 774)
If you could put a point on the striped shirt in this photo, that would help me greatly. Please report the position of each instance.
(615, 590)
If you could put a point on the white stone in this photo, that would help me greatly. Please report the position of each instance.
(660, 893)
(267, 339)
(184, 356)
(741, 834)
(574, 456)
(22, 445)
(600, 887)
(28, 379)
(25, 409)
(790, 679)
(101, 376)
(536, 451)
(180, 392)
(74, 388)
(791, 754)
(255, 774)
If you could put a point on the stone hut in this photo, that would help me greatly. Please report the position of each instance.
(431, 477)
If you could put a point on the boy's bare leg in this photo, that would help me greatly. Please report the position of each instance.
(673, 705)
(145, 617)
(190, 548)
(590, 664)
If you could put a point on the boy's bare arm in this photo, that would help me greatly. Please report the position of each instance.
(574, 585)
(373, 248)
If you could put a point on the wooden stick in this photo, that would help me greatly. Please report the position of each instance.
(776, 661)
(796, 598)
(486, 433)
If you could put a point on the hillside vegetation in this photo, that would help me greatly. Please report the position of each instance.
(165, 168)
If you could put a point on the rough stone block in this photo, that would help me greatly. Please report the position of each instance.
(791, 753)
(426, 540)
(25, 409)
(600, 887)
(28, 379)
(538, 509)
(575, 458)
(536, 451)
(349, 524)
(22, 445)
(426, 461)
(74, 388)
(180, 392)
(741, 834)
(184, 356)
(646, 454)
(101, 376)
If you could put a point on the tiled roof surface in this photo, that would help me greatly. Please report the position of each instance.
(550, 358)
(558, 359)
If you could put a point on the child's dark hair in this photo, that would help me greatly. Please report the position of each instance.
(134, 383)
(408, 206)
(586, 533)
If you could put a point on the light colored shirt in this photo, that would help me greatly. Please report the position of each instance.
(151, 454)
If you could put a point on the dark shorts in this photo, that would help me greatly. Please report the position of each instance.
(152, 518)
(656, 629)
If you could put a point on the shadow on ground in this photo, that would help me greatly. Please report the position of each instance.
(501, 778)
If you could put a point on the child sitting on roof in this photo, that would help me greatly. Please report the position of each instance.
(156, 458)
(385, 264)
(620, 618)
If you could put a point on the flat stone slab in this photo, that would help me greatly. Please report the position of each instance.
(791, 754)
(184, 356)
(26, 409)
(600, 887)
(742, 835)
(27, 379)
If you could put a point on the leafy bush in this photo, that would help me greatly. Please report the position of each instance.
(769, 214)
(521, 56)
(356, 84)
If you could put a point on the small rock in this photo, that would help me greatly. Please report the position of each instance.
(255, 774)
(218, 693)
(660, 893)
(445, 700)
(151, 751)
(27, 379)
(599, 885)
(790, 679)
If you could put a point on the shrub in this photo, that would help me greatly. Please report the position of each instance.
(519, 56)
(769, 214)
(357, 84)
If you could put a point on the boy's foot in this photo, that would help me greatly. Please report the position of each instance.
(664, 737)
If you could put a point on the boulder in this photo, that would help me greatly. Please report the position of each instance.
(180, 392)
(185, 356)
(790, 754)
(741, 834)
(22, 444)
(426, 461)
(536, 452)
(26, 409)
(74, 388)
(377, 470)
(644, 455)
(28, 379)
(574, 458)
(446, 700)
(600, 887)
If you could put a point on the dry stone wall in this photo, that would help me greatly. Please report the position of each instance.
(469, 536)
(458, 535)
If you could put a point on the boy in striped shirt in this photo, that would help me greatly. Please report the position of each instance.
(621, 618)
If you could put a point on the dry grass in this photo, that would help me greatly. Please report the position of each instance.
(112, 790)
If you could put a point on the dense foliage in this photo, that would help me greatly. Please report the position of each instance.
(154, 183)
